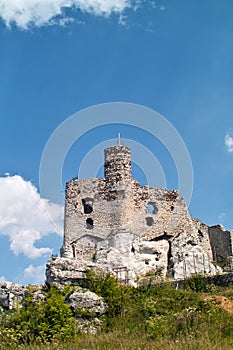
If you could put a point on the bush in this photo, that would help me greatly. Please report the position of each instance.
(38, 321)
(159, 314)
(198, 283)
(108, 287)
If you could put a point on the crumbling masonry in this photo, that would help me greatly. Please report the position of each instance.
(131, 230)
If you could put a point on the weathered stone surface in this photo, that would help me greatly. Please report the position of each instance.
(117, 225)
(87, 306)
(221, 243)
(87, 303)
(122, 254)
(129, 257)
(90, 326)
(188, 257)
(63, 271)
(12, 295)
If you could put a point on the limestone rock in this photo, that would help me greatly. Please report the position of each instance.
(11, 295)
(121, 254)
(63, 271)
(87, 303)
(89, 326)
(188, 257)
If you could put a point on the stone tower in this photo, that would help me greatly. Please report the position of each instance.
(117, 164)
(94, 207)
(114, 223)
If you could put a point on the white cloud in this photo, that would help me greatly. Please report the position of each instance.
(229, 143)
(2, 279)
(34, 274)
(41, 12)
(25, 217)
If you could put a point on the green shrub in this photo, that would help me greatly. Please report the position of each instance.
(38, 321)
(108, 287)
(198, 283)
(159, 315)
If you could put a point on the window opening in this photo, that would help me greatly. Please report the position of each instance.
(151, 208)
(89, 223)
(87, 207)
(149, 221)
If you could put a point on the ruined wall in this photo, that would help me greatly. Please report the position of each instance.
(93, 211)
(161, 212)
(95, 207)
(221, 243)
(114, 223)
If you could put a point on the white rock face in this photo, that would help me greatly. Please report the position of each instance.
(188, 257)
(122, 254)
(12, 295)
(130, 258)
(87, 302)
(125, 250)
(63, 271)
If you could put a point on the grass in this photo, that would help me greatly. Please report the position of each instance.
(139, 341)
(199, 316)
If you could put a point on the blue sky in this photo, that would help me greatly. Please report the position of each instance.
(175, 57)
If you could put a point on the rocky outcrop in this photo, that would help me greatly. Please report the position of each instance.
(129, 258)
(86, 303)
(13, 295)
(64, 271)
(87, 306)
(187, 257)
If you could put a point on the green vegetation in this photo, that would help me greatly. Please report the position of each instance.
(159, 317)
(38, 322)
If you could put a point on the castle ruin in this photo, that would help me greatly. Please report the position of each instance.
(114, 224)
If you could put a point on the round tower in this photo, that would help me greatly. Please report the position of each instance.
(117, 163)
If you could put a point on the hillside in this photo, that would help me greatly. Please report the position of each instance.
(197, 316)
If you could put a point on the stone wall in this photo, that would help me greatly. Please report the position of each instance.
(146, 212)
(221, 243)
(117, 164)
(116, 223)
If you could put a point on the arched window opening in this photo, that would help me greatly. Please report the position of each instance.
(89, 223)
(151, 208)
